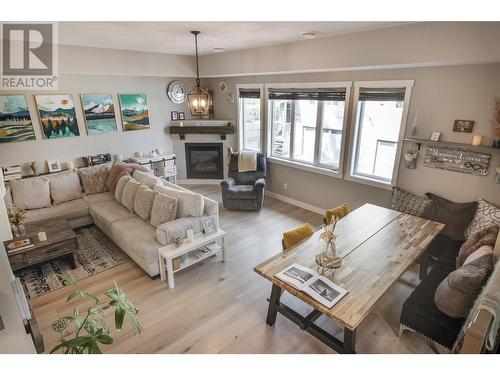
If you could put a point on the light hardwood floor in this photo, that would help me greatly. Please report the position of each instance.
(221, 308)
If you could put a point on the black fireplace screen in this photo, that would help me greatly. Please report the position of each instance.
(204, 160)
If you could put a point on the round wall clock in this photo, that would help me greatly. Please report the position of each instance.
(176, 92)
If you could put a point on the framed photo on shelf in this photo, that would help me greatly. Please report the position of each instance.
(435, 136)
(208, 225)
(182, 116)
(174, 115)
(54, 166)
(463, 126)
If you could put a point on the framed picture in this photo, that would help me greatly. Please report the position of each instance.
(435, 136)
(57, 115)
(208, 225)
(54, 166)
(99, 113)
(463, 126)
(222, 86)
(182, 116)
(174, 115)
(134, 111)
(15, 119)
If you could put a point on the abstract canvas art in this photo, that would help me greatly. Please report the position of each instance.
(134, 110)
(57, 116)
(99, 113)
(15, 119)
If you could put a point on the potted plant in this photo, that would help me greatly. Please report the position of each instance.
(17, 217)
(411, 159)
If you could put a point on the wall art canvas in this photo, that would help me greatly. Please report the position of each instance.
(15, 119)
(99, 113)
(134, 110)
(57, 116)
(455, 160)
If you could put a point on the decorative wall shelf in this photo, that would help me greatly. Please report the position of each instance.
(454, 145)
(221, 127)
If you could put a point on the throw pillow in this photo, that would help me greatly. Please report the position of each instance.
(144, 201)
(164, 209)
(189, 203)
(65, 187)
(339, 211)
(120, 186)
(128, 195)
(456, 216)
(94, 179)
(456, 294)
(485, 237)
(483, 250)
(148, 179)
(408, 203)
(120, 169)
(31, 193)
(486, 214)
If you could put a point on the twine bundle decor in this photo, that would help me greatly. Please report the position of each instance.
(328, 260)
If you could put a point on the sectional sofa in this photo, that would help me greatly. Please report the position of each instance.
(71, 195)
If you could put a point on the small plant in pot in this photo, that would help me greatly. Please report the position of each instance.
(90, 328)
(17, 218)
(411, 159)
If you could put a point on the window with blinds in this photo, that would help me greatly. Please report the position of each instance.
(250, 125)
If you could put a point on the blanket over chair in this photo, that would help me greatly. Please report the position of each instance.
(247, 161)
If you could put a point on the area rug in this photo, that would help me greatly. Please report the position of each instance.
(96, 253)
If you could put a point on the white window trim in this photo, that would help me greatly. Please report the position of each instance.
(353, 136)
(239, 127)
(298, 164)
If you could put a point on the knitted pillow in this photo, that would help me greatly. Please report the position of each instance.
(94, 179)
(409, 203)
(486, 215)
(456, 294)
(120, 186)
(485, 237)
(144, 201)
(164, 209)
(129, 193)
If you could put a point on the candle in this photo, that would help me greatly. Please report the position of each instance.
(118, 157)
(69, 165)
(190, 235)
(476, 140)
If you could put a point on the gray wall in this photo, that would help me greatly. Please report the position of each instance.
(125, 143)
(440, 95)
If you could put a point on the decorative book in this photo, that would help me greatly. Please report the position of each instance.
(18, 245)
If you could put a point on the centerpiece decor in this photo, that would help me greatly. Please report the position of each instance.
(199, 99)
(17, 217)
(328, 259)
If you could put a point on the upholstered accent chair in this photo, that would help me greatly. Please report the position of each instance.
(244, 190)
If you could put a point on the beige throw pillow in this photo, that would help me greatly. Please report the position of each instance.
(65, 187)
(164, 209)
(148, 179)
(94, 179)
(189, 203)
(144, 201)
(31, 193)
(129, 192)
(120, 185)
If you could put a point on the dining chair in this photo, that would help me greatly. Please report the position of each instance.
(296, 235)
(339, 211)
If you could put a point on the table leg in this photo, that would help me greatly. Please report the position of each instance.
(170, 273)
(274, 301)
(163, 274)
(71, 259)
(224, 252)
(349, 341)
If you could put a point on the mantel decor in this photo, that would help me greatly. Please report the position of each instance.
(199, 99)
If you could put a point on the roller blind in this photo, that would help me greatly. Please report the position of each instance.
(382, 94)
(327, 94)
(250, 93)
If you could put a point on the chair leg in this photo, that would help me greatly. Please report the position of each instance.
(423, 266)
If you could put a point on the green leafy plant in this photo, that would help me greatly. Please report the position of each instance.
(90, 329)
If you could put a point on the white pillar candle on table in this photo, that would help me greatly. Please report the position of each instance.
(118, 157)
(190, 235)
(476, 140)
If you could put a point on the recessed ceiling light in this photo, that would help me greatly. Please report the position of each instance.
(218, 49)
(308, 35)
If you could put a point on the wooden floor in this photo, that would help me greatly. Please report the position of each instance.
(221, 307)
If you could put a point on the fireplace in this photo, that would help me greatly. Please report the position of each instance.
(204, 160)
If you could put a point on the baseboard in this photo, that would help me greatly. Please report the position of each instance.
(198, 181)
(295, 202)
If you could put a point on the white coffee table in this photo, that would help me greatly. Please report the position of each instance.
(215, 242)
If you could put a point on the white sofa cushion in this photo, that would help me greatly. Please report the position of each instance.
(164, 209)
(120, 185)
(148, 179)
(129, 192)
(31, 193)
(71, 210)
(99, 197)
(143, 202)
(178, 227)
(211, 207)
(106, 213)
(64, 187)
(188, 203)
(94, 178)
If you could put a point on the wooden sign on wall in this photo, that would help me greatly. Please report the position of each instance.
(455, 160)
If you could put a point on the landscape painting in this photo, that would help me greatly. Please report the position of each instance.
(99, 113)
(57, 116)
(134, 109)
(15, 119)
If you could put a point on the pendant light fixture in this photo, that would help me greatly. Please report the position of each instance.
(199, 99)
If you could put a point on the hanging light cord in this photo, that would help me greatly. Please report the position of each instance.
(196, 48)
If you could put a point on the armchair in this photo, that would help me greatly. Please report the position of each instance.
(244, 190)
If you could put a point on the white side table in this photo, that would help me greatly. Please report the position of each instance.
(215, 242)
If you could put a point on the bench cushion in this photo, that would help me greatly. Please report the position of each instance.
(109, 212)
(68, 210)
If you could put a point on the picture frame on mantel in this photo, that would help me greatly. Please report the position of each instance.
(463, 126)
(174, 115)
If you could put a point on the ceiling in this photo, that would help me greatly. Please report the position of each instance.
(174, 37)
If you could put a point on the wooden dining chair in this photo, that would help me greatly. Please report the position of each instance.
(339, 211)
(296, 235)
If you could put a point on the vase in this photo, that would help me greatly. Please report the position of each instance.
(411, 164)
(330, 249)
(18, 230)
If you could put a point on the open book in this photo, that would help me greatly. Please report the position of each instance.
(308, 281)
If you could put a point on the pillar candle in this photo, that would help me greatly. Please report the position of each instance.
(476, 140)
(190, 235)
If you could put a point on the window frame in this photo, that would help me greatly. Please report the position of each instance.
(239, 114)
(316, 167)
(354, 132)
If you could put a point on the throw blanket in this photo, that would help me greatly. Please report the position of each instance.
(120, 169)
(247, 161)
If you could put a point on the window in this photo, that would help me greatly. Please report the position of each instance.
(250, 119)
(306, 124)
(378, 126)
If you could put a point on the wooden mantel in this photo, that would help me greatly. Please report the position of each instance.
(182, 128)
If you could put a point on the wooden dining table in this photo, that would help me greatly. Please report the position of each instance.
(376, 244)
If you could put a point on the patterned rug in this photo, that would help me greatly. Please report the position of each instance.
(96, 253)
